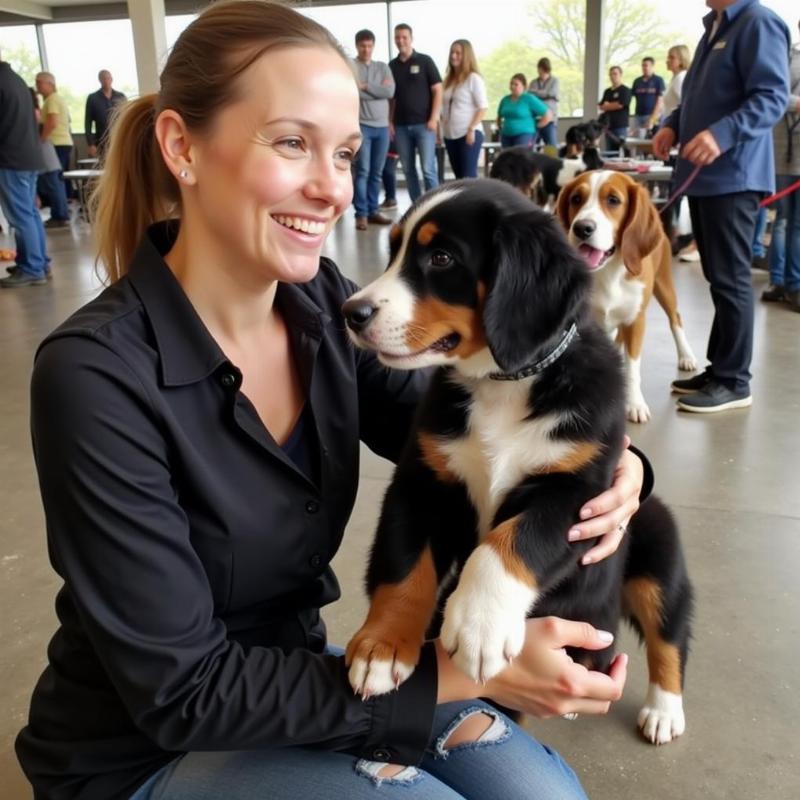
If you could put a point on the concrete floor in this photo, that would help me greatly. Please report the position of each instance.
(731, 478)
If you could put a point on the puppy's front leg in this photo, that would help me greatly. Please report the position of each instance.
(385, 651)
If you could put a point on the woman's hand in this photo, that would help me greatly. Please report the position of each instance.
(608, 514)
(471, 137)
(543, 680)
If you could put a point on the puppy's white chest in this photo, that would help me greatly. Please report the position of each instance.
(616, 300)
(501, 446)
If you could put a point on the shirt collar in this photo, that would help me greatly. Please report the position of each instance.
(729, 14)
(188, 352)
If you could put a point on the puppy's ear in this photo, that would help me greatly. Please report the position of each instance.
(562, 204)
(536, 288)
(642, 231)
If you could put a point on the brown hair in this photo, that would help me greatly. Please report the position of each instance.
(198, 81)
(469, 64)
(519, 76)
(544, 63)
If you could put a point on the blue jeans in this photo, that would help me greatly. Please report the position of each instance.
(548, 134)
(505, 763)
(55, 189)
(369, 166)
(18, 200)
(389, 177)
(518, 140)
(411, 138)
(784, 251)
(759, 251)
(464, 157)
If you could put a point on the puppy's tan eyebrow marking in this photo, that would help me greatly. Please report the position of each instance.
(426, 233)
(395, 234)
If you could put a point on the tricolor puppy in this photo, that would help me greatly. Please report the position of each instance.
(522, 424)
(613, 223)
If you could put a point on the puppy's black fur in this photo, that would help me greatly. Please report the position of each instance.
(580, 137)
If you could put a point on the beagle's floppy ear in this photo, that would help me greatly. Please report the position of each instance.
(536, 287)
(562, 203)
(641, 231)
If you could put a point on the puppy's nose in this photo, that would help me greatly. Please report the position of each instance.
(583, 228)
(358, 312)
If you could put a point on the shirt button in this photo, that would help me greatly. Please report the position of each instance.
(381, 755)
(228, 380)
(312, 506)
(315, 561)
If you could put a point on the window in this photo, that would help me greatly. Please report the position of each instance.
(77, 51)
(18, 46)
(345, 20)
(175, 26)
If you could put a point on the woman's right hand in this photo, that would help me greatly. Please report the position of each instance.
(543, 680)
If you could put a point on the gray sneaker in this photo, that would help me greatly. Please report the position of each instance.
(715, 397)
(22, 279)
(13, 270)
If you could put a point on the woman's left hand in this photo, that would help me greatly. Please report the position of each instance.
(608, 514)
(470, 137)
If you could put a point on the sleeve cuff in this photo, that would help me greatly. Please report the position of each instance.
(402, 720)
(649, 478)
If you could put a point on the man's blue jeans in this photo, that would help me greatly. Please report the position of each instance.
(784, 250)
(506, 762)
(56, 190)
(411, 139)
(369, 166)
(18, 199)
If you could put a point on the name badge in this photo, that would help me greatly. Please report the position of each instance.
(414, 69)
(719, 46)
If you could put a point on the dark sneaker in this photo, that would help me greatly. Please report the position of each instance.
(14, 269)
(21, 279)
(773, 294)
(760, 262)
(389, 202)
(379, 219)
(715, 397)
(793, 299)
(694, 384)
(56, 223)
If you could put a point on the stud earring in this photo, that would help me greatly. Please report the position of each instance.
(184, 174)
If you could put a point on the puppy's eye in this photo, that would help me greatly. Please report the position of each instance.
(613, 200)
(439, 258)
(575, 200)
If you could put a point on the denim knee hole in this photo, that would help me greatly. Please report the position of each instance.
(496, 733)
(370, 769)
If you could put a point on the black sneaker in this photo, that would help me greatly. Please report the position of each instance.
(389, 202)
(694, 384)
(55, 223)
(19, 279)
(773, 294)
(13, 270)
(760, 262)
(793, 299)
(715, 397)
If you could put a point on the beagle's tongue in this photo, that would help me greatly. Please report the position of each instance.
(591, 255)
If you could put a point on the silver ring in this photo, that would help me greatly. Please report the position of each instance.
(572, 716)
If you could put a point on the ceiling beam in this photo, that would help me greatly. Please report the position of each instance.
(27, 8)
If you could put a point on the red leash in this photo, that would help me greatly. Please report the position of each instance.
(676, 195)
(778, 195)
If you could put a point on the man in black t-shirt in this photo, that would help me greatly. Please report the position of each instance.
(614, 104)
(20, 161)
(414, 113)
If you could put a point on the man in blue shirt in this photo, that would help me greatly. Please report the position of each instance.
(733, 94)
(648, 89)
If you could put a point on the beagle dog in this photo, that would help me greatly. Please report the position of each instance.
(613, 223)
(522, 423)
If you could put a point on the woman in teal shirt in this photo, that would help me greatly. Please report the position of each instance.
(520, 114)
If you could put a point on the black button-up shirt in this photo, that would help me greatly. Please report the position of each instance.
(98, 114)
(194, 551)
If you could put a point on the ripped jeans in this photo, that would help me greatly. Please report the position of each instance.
(505, 763)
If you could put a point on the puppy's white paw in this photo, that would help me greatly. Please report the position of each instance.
(661, 719)
(687, 363)
(379, 664)
(484, 621)
(637, 411)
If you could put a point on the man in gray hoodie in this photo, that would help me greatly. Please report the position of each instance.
(376, 87)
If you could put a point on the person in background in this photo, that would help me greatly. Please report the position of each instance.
(648, 90)
(55, 128)
(679, 59)
(389, 177)
(463, 108)
(784, 249)
(734, 93)
(20, 162)
(197, 429)
(614, 105)
(375, 87)
(546, 88)
(520, 114)
(100, 107)
(415, 110)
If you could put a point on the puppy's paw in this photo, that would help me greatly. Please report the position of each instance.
(484, 620)
(687, 362)
(661, 719)
(379, 664)
(637, 411)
